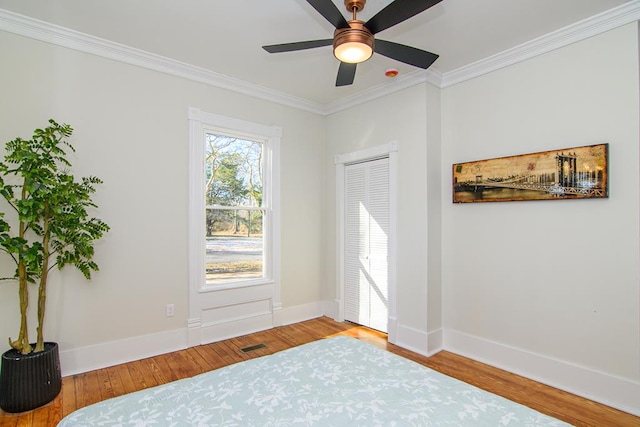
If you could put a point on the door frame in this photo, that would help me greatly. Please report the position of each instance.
(389, 150)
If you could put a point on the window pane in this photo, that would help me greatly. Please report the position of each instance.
(233, 245)
(233, 178)
(233, 171)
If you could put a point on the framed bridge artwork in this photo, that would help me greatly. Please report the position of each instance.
(569, 173)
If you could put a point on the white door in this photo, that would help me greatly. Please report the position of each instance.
(366, 288)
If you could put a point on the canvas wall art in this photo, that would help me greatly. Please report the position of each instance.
(569, 173)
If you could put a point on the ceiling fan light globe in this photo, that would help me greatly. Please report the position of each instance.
(354, 44)
(353, 52)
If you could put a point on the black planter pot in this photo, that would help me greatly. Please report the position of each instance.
(31, 380)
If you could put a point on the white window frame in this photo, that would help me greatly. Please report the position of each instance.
(199, 123)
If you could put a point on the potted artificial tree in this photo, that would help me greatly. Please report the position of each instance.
(46, 225)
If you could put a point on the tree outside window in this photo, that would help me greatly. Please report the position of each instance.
(234, 209)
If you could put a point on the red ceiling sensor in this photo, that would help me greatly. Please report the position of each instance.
(391, 72)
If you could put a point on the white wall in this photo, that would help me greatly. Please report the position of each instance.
(558, 280)
(398, 117)
(434, 218)
(131, 130)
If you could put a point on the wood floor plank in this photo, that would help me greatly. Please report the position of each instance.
(181, 366)
(123, 373)
(223, 353)
(226, 353)
(160, 369)
(117, 388)
(80, 390)
(141, 375)
(274, 342)
(41, 416)
(87, 388)
(25, 419)
(305, 334)
(194, 358)
(54, 411)
(289, 334)
(68, 396)
(104, 384)
(233, 349)
(8, 420)
(209, 355)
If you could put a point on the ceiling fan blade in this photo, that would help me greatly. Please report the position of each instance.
(289, 47)
(330, 12)
(346, 74)
(407, 54)
(396, 12)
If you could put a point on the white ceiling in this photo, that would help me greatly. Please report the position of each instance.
(226, 36)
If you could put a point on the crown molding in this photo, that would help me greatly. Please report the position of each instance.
(61, 36)
(408, 80)
(597, 24)
(44, 31)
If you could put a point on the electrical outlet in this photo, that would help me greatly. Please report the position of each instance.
(170, 310)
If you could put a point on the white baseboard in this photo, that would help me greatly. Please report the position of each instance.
(249, 324)
(607, 389)
(277, 314)
(426, 344)
(98, 356)
(392, 330)
(78, 360)
(300, 313)
(331, 309)
(435, 342)
(412, 339)
(218, 331)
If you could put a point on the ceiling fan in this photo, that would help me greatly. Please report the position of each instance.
(354, 42)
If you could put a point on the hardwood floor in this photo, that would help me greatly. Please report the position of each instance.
(90, 387)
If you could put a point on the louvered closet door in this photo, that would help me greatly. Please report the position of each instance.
(366, 243)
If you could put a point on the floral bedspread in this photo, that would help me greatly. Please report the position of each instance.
(338, 381)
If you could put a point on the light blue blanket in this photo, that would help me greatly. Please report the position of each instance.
(334, 382)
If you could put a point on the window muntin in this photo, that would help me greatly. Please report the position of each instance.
(235, 211)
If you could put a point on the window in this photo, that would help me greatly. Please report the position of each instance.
(234, 212)
(233, 217)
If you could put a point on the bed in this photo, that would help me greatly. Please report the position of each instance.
(339, 381)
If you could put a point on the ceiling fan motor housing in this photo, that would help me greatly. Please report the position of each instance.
(356, 33)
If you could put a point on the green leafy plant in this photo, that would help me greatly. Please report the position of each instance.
(54, 228)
